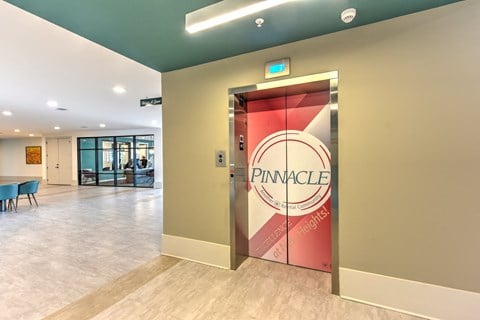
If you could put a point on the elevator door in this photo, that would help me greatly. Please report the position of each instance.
(288, 179)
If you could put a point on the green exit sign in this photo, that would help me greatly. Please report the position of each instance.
(277, 68)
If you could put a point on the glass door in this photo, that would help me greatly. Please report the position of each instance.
(106, 161)
(126, 161)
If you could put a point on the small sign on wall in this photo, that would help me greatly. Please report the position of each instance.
(150, 102)
(33, 155)
(277, 68)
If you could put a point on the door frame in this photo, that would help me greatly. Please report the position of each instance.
(333, 104)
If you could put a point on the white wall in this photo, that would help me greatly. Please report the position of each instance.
(12, 158)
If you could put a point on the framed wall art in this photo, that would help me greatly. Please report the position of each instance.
(33, 154)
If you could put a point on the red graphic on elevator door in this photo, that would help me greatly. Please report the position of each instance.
(289, 180)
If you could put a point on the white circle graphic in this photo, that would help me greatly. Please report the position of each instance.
(289, 171)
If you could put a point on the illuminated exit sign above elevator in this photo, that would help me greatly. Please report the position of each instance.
(277, 68)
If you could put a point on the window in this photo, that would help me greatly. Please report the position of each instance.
(116, 161)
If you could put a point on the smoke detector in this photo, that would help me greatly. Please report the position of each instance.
(348, 15)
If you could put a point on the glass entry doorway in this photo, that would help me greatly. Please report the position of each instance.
(283, 171)
(126, 161)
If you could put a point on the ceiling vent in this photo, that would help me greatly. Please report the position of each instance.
(348, 15)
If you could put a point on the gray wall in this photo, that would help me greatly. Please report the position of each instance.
(408, 143)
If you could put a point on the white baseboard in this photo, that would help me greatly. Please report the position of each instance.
(412, 297)
(209, 253)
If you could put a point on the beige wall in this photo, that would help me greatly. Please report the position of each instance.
(409, 138)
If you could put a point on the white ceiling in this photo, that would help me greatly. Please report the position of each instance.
(40, 61)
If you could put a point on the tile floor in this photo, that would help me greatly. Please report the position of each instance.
(79, 238)
(93, 253)
(257, 290)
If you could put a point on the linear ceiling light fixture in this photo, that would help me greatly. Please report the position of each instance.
(226, 11)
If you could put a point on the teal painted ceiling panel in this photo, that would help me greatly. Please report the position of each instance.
(152, 32)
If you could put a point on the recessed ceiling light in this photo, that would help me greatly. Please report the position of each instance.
(7, 113)
(16, 130)
(102, 125)
(56, 128)
(119, 89)
(52, 103)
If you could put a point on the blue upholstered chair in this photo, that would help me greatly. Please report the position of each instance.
(8, 192)
(29, 188)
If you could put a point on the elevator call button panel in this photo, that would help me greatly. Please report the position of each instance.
(220, 159)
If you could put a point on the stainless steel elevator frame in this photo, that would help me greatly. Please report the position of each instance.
(333, 104)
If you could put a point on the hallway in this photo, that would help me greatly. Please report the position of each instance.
(79, 238)
(93, 253)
